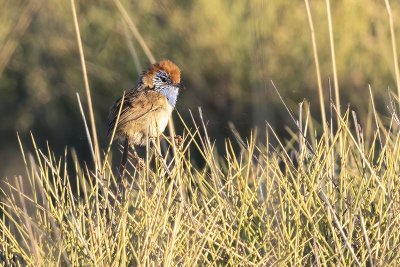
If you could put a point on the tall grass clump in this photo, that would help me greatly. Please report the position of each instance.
(300, 202)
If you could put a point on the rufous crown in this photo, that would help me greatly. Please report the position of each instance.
(168, 66)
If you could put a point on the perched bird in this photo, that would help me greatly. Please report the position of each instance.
(147, 107)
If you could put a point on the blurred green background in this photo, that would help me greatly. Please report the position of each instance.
(228, 51)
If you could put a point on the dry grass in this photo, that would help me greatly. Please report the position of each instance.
(255, 206)
(332, 199)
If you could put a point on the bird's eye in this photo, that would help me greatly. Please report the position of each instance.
(163, 79)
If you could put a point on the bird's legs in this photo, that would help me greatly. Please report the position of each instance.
(137, 161)
(177, 140)
(155, 147)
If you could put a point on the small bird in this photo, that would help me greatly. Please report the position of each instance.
(146, 108)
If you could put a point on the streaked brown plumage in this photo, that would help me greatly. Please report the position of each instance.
(147, 108)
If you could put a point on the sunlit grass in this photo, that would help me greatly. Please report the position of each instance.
(257, 205)
(326, 196)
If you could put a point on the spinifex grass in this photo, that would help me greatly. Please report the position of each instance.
(301, 202)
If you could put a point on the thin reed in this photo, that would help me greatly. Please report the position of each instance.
(319, 198)
(257, 205)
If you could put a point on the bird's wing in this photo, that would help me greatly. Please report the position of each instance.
(136, 105)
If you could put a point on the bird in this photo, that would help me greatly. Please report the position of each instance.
(142, 113)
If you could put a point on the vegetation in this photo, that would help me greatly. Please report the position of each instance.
(304, 203)
(228, 52)
(328, 194)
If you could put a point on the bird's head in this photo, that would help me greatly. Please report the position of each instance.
(164, 77)
(164, 72)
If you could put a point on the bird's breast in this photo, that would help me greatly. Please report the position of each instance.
(151, 122)
(162, 117)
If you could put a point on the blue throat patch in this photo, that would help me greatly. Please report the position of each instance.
(170, 92)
